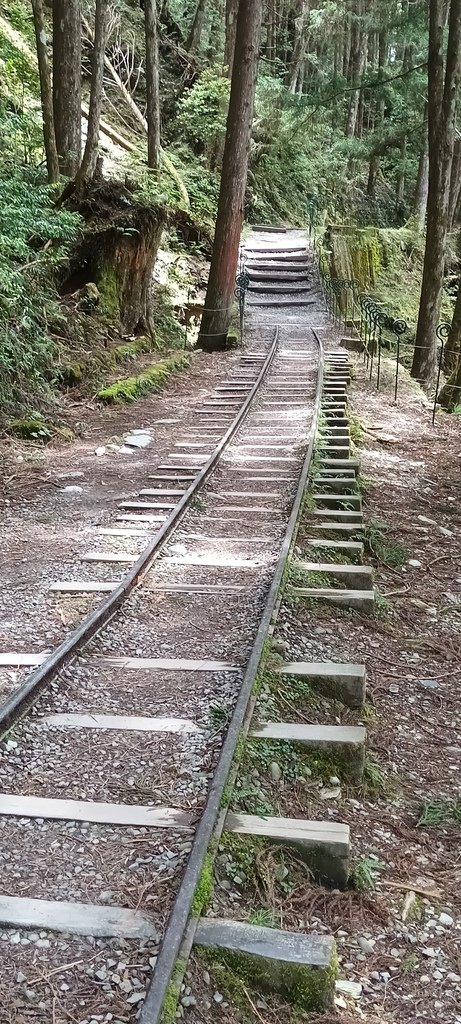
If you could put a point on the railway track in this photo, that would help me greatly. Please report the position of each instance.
(121, 739)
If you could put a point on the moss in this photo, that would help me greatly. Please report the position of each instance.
(152, 379)
(30, 429)
(204, 890)
(130, 350)
(233, 340)
(108, 291)
(170, 1004)
(71, 374)
(311, 988)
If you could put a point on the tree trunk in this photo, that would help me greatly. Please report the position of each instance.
(152, 85)
(401, 172)
(232, 7)
(299, 49)
(90, 155)
(442, 97)
(359, 48)
(455, 183)
(452, 348)
(373, 168)
(67, 84)
(229, 220)
(422, 181)
(46, 93)
(195, 35)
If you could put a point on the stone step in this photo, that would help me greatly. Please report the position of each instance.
(347, 484)
(299, 967)
(356, 577)
(339, 500)
(344, 743)
(349, 547)
(337, 529)
(345, 682)
(356, 600)
(337, 515)
(340, 463)
(335, 451)
(323, 845)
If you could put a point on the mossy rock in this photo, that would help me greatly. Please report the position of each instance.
(233, 340)
(153, 378)
(71, 374)
(32, 429)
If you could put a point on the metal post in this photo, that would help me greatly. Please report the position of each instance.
(398, 328)
(442, 332)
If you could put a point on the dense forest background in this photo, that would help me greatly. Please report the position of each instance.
(113, 124)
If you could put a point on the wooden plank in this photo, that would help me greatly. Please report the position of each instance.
(124, 723)
(83, 587)
(225, 562)
(159, 492)
(169, 664)
(195, 588)
(147, 504)
(113, 531)
(136, 815)
(21, 659)
(108, 556)
(75, 918)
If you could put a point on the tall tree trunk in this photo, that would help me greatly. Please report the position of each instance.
(195, 35)
(443, 87)
(90, 155)
(46, 93)
(67, 83)
(232, 7)
(152, 84)
(453, 343)
(229, 220)
(358, 63)
(455, 183)
(299, 49)
(422, 181)
(373, 168)
(401, 172)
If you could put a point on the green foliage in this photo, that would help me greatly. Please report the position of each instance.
(34, 246)
(203, 110)
(440, 812)
(374, 536)
(364, 872)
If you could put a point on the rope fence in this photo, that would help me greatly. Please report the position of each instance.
(377, 328)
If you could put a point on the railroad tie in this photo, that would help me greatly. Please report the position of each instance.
(337, 681)
(324, 846)
(293, 964)
(345, 742)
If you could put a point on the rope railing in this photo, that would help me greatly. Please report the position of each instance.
(344, 304)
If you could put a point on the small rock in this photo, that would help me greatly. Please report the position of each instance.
(429, 684)
(437, 976)
(366, 945)
(430, 952)
(446, 920)
(415, 563)
(333, 780)
(349, 988)
(206, 978)
(20, 977)
(137, 997)
(101, 451)
(218, 998)
(276, 771)
(425, 979)
(393, 688)
(330, 794)
(72, 489)
(455, 978)
(138, 440)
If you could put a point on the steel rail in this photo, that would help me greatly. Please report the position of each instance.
(30, 689)
(178, 936)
